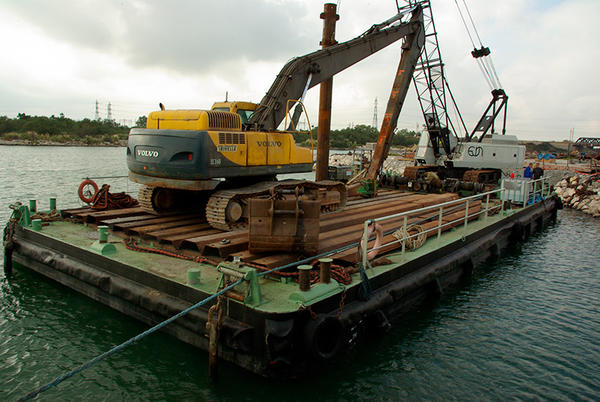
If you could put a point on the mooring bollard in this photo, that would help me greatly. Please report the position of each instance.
(103, 234)
(325, 265)
(193, 276)
(304, 277)
(32, 206)
(36, 224)
(52, 204)
(26, 217)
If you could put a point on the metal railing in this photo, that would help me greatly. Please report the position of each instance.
(534, 191)
(539, 187)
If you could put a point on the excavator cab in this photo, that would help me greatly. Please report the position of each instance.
(243, 109)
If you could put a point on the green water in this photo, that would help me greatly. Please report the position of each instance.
(525, 327)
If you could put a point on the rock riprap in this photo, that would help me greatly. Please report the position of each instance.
(581, 193)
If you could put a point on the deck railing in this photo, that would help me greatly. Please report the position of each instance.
(532, 191)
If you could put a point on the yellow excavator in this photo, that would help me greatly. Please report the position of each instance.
(218, 159)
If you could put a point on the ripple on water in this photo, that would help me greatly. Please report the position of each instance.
(525, 327)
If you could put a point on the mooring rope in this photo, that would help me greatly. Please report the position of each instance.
(136, 338)
(125, 344)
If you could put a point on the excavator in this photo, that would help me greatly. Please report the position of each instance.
(219, 159)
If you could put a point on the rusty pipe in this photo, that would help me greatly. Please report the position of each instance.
(325, 266)
(329, 17)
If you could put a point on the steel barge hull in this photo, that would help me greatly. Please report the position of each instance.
(285, 332)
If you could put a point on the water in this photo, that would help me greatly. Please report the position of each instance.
(525, 327)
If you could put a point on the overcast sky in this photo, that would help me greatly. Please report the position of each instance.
(61, 56)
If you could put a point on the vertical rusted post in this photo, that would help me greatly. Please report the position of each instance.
(325, 265)
(213, 327)
(304, 277)
(329, 18)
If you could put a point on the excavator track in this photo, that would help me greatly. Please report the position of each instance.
(415, 172)
(486, 176)
(216, 209)
(160, 200)
(227, 209)
(145, 199)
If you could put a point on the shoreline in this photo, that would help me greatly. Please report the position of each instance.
(58, 144)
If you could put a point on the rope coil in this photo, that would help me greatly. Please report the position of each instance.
(417, 238)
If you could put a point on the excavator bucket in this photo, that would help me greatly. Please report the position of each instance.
(284, 225)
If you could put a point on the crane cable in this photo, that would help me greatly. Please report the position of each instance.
(489, 60)
(485, 63)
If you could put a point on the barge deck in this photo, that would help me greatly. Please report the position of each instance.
(151, 268)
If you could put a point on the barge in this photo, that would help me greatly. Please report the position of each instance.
(291, 312)
(281, 277)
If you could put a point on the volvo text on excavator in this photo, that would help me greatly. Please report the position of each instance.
(218, 159)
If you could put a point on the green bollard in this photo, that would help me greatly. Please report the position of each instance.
(254, 295)
(193, 276)
(25, 217)
(52, 204)
(103, 234)
(32, 206)
(101, 245)
(36, 224)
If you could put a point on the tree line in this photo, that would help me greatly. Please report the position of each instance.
(61, 129)
(359, 135)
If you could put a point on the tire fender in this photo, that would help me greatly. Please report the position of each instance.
(323, 337)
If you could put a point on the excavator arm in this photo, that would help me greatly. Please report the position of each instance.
(411, 51)
(303, 73)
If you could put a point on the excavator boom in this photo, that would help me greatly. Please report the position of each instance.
(304, 72)
(411, 51)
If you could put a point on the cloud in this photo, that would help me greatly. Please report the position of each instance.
(64, 55)
(186, 36)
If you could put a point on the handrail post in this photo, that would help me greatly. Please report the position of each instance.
(466, 215)
(404, 234)
(487, 207)
(439, 228)
(502, 198)
(365, 242)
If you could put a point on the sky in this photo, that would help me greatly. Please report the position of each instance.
(63, 56)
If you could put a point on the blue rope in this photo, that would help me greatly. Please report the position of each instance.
(136, 338)
(125, 344)
(364, 292)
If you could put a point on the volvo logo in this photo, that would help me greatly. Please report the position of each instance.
(147, 153)
(269, 143)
